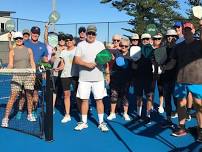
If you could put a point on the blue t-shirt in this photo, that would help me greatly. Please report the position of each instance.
(39, 50)
(180, 40)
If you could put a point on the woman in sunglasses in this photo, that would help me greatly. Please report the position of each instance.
(119, 82)
(20, 57)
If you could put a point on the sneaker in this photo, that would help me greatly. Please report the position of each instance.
(66, 118)
(34, 114)
(174, 115)
(167, 124)
(148, 120)
(103, 127)
(126, 117)
(160, 109)
(4, 122)
(188, 117)
(19, 115)
(81, 126)
(111, 116)
(179, 132)
(31, 118)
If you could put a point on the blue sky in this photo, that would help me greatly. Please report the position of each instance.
(71, 11)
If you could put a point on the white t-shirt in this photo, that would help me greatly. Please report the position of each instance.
(70, 69)
(87, 52)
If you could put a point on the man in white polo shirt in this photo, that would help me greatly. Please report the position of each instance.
(91, 77)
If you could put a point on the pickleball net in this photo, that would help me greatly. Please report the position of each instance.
(24, 80)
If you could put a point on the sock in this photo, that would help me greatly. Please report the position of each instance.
(101, 118)
(139, 110)
(84, 118)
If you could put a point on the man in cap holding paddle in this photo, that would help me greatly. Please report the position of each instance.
(91, 78)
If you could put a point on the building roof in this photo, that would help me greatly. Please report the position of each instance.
(6, 13)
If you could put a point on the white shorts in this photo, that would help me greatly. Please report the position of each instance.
(98, 89)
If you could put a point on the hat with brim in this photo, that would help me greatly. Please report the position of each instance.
(103, 57)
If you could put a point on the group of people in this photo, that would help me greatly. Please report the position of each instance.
(73, 61)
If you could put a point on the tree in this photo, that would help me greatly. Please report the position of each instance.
(162, 13)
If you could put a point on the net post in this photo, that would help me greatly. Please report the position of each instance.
(49, 108)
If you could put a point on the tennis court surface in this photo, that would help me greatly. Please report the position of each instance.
(132, 136)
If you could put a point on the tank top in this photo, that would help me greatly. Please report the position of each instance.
(21, 58)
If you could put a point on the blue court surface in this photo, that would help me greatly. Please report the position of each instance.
(132, 136)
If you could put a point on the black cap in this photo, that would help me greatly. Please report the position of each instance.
(69, 36)
(82, 29)
(35, 30)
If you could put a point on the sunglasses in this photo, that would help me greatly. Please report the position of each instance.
(124, 46)
(157, 39)
(18, 38)
(173, 36)
(146, 39)
(91, 33)
(177, 26)
(82, 31)
(114, 40)
(68, 40)
(134, 39)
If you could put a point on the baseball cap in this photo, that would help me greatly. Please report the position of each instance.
(17, 35)
(171, 32)
(92, 28)
(135, 36)
(145, 35)
(69, 36)
(188, 25)
(82, 29)
(35, 30)
(158, 35)
(177, 23)
(25, 31)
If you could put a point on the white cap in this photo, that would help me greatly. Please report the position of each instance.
(159, 35)
(135, 36)
(17, 34)
(171, 32)
(145, 35)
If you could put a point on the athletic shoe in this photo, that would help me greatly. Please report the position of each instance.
(111, 116)
(160, 109)
(66, 119)
(126, 117)
(31, 118)
(4, 122)
(167, 124)
(174, 115)
(148, 120)
(179, 132)
(103, 127)
(81, 126)
(19, 115)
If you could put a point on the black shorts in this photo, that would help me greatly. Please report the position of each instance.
(66, 82)
(58, 84)
(143, 85)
